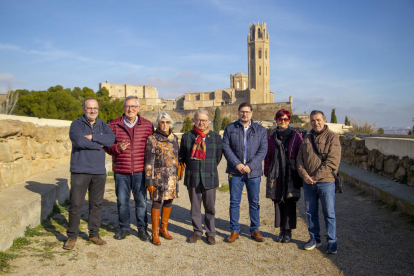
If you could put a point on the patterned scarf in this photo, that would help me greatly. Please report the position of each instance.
(199, 148)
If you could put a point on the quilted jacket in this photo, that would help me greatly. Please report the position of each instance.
(131, 160)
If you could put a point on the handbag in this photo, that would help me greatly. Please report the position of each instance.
(339, 180)
(180, 166)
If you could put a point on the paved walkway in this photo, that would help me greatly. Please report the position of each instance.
(373, 240)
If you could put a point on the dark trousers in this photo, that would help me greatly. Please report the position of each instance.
(285, 214)
(80, 183)
(208, 197)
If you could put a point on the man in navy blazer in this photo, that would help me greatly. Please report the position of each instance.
(245, 148)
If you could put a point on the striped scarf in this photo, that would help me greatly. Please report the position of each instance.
(198, 151)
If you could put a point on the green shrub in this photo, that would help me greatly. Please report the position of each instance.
(187, 125)
(361, 127)
(226, 121)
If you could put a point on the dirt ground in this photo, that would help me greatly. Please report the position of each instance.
(373, 239)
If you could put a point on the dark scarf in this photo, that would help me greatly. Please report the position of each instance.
(167, 134)
(320, 132)
(280, 162)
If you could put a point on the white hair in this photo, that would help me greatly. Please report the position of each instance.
(131, 97)
(166, 116)
(202, 111)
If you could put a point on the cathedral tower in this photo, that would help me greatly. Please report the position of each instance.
(258, 59)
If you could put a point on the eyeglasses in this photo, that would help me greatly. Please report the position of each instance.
(130, 106)
(201, 121)
(92, 108)
(279, 120)
(165, 122)
(245, 112)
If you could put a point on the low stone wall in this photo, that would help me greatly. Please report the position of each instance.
(27, 150)
(391, 146)
(37, 121)
(398, 168)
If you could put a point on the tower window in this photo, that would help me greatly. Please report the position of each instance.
(260, 53)
(244, 85)
(252, 54)
(119, 90)
(259, 34)
(135, 91)
(238, 84)
(266, 54)
(260, 70)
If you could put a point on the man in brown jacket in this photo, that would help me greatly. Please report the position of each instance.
(318, 181)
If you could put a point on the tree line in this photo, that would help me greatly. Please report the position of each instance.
(65, 104)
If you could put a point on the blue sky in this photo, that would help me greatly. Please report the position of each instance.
(355, 56)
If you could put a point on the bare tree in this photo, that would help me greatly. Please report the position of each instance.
(8, 105)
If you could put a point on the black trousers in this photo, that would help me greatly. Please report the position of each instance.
(80, 183)
(285, 214)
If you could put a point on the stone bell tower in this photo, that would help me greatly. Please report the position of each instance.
(258, 59)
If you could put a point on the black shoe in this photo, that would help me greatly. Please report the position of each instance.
(280, 237)
(121, 234)
(287, 237)
(143, 235)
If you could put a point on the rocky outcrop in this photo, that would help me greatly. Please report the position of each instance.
(27, 150)
(355, 152)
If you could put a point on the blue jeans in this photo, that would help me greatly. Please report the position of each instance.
(236, 183)
(124, 184)
(325, 191)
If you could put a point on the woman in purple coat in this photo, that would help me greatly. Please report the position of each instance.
(283, 181)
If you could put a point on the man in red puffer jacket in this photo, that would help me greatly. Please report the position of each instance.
(128, 154)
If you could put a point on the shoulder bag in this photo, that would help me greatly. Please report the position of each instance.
(339, 180)
(180, 166)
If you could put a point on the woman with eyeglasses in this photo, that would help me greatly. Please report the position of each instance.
(283, 181)
(161, 157)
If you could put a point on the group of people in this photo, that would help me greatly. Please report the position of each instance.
(147, 159)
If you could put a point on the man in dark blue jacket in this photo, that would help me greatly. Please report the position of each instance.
(87, 166)
(245, 148)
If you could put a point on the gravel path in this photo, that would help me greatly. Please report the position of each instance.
(373, 240)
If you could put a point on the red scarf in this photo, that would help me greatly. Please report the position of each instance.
(199, 148)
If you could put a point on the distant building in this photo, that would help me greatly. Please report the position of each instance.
(252, 88)
(147, 95)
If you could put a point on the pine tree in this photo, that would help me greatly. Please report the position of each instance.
(347, 122)
(217, 120)
(333, 117)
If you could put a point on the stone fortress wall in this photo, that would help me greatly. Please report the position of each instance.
(260, 112)
(27, 150)
(147, 95)
(381, 155)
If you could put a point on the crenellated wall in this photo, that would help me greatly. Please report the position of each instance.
(27, 150)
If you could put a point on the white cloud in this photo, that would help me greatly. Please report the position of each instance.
(9, 79)
(55, 53)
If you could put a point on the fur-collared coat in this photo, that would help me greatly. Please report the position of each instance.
(161, 167)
